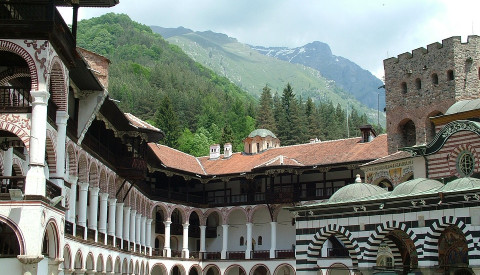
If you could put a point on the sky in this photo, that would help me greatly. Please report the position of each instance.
(364, 31)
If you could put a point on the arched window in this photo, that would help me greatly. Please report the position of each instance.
(408, 133)
(418, 83)
(434, 79)
(450, 75)
(404, 87)
(242, 241)
(260, 240)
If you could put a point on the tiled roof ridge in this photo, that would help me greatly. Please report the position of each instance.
(158, 145)
(201, 166)
(379, 160)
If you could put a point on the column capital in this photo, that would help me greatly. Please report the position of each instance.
(126, 208)
(225, 225)
(94, 190)
(167, 223)
(28, 259)
(139, 215)
(133, 212)
(40, 97)
(112, 202)
(83, 186)
(62, 117)
(185, 225)
(149, 221)
(120, 204)
(103, 196)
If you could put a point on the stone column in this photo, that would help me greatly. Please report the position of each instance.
(82, 203)
(7, 164)
(54, 266)
(148, 237)
(93, 208)
(102, 225)
(185, 251)
(30, 264)
(62, 118)
(167, 252)
(133, 213)
(112, 209)
(143, 228)
(126, 223)
(203, 229)
(35, 181)
(248, 251)
(119, 221)
(72, 203)
(273, 239)
(224, 241)
(138, 227)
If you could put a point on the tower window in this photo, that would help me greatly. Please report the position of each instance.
(434, 79)
(418, 83)
(404, 87)
(449, 75)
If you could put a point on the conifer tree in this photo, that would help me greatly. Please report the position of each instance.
(265, 116)
(166, 119)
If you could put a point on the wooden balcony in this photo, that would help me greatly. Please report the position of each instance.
(15, 100)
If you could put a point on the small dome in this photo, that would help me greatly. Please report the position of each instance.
(355, 191)
(462, 184)
(261, 133)
(464, 106)
(416, 186)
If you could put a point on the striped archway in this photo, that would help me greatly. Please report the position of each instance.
(341, 233)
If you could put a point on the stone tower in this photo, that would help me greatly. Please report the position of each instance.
(426, 83)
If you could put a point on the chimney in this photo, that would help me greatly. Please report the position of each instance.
(227, 150)
(368, 133)
(214, 151)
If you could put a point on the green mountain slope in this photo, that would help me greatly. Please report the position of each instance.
(157, 81)
(251, 70)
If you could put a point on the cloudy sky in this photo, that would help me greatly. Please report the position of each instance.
(365, 32)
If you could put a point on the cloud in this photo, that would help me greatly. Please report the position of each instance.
(365, 32)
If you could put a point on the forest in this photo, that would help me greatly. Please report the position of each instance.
(194, 106)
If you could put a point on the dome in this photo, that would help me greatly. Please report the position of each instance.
(464, 106)
(355, 191)
(416, 186)
(462, 184)
(261, 133)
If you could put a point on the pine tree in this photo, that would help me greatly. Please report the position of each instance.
(166, 119)
(265, 116)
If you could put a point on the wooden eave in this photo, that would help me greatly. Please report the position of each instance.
(444, 119)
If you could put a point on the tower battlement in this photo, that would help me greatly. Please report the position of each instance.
(425, 82)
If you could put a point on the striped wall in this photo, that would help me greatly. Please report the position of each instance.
(362, 236)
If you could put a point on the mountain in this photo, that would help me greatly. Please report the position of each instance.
(251, 70)
(362, 84)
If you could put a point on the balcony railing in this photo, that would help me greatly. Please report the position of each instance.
(68, 228)
(52, 190)
(211, 255)
(7, 183)
(157, 252)
(90, 234)
(80, 231)
(176, 253)
(110, 239)
(15, 100)
(260, 254)
(284, 254)
(236, 255)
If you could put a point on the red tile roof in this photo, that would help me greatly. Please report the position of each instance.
(320, 153)
(136, 122)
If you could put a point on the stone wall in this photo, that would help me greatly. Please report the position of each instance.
(426, 83)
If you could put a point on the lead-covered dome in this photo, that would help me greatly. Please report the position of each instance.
(462, 184)
(464, 106)
(416, 186)
(355, 191)
(261, 133)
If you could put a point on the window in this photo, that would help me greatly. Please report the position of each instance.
(449, 75)
(260, 240)
(404, 87)
(465, 163)
(434, 79)
(242, 241)
(418, 83)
